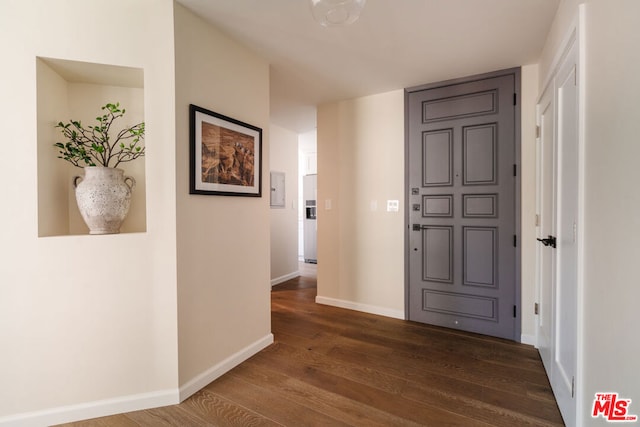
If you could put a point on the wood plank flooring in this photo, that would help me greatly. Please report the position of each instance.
(335, 367)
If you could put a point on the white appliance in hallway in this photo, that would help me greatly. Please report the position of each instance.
(310, 190)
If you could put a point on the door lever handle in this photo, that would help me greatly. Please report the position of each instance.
(549, 241)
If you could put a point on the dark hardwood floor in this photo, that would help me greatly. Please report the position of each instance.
(335, 367)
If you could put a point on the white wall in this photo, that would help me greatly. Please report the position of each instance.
(609, 293)
(360, 167)
(566, 16)
(222, 242)
(529, 94)
(307, 165)
(308, 152)
(85, 318)
(284, 221)
(612, 203)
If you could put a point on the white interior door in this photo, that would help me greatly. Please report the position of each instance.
(546, 226)
(566, 333)
(558, 204)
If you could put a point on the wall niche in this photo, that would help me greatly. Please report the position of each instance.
(76, 90)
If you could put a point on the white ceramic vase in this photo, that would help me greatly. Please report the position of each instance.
(103, 196)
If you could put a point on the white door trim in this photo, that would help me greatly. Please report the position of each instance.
(581, 414)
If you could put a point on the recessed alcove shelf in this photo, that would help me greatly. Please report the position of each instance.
(76, 90)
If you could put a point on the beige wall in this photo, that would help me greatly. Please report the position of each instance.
(329, 177)
(284, 221)
(222, 242)
(85, 318)
(54, 185)
(93, 325)
(360, 167)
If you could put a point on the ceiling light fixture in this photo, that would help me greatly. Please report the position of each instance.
(335, 13)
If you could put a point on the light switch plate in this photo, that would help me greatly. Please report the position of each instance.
(393, 205)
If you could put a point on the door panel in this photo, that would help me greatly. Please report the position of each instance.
(479, 205)
(480, 256)
(438, 254)
(437, 206)
(462, 259)
(459, 304)
(437, 152)
(461, 106)
(479, 154)
(546, 208)
(565, 325)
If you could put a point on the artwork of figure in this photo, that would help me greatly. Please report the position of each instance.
(227, 156)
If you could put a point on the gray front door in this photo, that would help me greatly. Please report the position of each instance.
(462, 205)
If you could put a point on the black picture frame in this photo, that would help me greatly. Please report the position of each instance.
(225, 155)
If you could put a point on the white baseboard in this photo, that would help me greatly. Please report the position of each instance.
(528, 339)
(223, 367)
(136, 402)
(99, 408)
(371, 309)
(284, 278)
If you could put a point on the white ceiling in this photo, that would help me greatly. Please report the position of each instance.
(395, 44)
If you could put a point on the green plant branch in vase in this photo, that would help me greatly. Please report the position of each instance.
(95, 146)
(103, 193)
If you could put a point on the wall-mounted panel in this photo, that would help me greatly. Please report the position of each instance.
(437, 158)
(437, 245)
(277, 181)
(478, 307)
(480, 205)
(437, 205)
(480, 247)
(456, 107)
(480, 155)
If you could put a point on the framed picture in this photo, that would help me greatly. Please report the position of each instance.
(225, 155)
